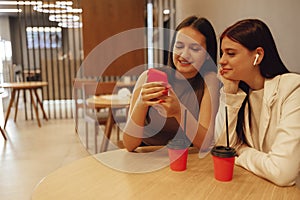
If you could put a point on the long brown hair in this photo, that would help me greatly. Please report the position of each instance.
(203, 26)
(253, 33)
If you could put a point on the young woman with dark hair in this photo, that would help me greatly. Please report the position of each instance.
(154, 117)
(263, 101)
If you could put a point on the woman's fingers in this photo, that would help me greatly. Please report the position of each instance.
(153, 90)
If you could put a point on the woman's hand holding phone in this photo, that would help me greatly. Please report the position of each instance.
(166, 101)
(154, 89)
(156, 77)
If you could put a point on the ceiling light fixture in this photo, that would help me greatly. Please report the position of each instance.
(70, 24)
(75, 10)
(166, 11)
(22, 3)
(51, 8)
(58, 7)
(10, 10)
(43, 29)
(66, 3)
(63, 18)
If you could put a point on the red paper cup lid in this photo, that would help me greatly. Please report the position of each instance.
(223, 152)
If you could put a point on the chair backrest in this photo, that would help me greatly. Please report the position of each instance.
(98, 88)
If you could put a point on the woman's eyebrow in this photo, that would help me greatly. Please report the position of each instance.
(228, 49)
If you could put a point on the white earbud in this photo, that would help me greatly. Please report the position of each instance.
(256, 58)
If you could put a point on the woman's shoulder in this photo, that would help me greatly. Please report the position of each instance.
(284, 84)
(288, 79)
(143, 76)
(290, 76)
(141, 79)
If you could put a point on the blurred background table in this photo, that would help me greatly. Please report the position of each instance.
(113, 103)
(32, 87)
(78, 85)
(90, 179)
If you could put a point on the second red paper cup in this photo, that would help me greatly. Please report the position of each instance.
(178, 159)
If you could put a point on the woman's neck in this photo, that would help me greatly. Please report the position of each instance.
(179, 75)
(256, 82)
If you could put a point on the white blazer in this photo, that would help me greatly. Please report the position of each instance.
(277, 158)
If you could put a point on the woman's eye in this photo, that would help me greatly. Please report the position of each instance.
(195, 48)
(179, 46)
(230, 53)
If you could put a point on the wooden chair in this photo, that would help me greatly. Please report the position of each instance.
(98, 116)
(77, 91)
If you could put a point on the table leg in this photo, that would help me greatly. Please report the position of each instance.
(13, 93)
(35, 108)
(96, 134)
(41, 104)
(16, 105)
(107, 131)
(76, 109)
(3, 133)
(25, 104)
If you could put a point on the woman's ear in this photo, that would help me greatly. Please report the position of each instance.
(259, 55)
(256, 58)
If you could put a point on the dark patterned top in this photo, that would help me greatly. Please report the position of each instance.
(158, 129)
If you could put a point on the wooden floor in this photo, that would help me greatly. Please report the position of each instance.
(31, 152)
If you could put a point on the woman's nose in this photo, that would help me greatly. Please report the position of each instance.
(222, 60)
(185, 53)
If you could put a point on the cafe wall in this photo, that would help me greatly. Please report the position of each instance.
(42, 49)
(5, 53)
(104, 19)
(282, 17)
(4, 28)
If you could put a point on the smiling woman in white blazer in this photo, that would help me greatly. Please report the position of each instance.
(263, 102)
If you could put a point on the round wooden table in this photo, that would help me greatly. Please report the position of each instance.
(32, 87)
(112, 102)
(92, 178)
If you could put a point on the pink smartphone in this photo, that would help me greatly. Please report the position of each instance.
(155, 75)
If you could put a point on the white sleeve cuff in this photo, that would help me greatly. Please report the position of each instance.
(233, 100)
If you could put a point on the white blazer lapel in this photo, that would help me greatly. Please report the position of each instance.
(270, 93)
(247, 127)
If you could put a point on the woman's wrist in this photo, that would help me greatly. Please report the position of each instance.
(230, 86)
(231, 89)
(141, 105)
(178, 118)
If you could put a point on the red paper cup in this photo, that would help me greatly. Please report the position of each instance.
(178, 159)
(223, 158)
(223, 168)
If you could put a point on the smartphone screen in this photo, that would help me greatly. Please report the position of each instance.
(155, 75)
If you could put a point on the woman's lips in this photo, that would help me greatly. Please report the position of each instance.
(224, 70)
(184, 62)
